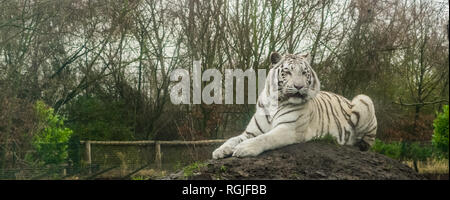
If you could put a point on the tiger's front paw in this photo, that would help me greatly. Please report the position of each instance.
(222, 152)
(247, 149)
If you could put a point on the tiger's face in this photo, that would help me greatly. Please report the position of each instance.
(296, 80)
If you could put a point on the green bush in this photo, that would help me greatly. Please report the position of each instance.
(417, 152)
(92, 118)
(440, 135)
(392, 150)
(74, 153)
(51, 140)
(403, 150)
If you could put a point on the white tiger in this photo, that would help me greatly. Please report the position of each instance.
(303, 112)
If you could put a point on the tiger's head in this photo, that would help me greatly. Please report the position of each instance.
(296, 82)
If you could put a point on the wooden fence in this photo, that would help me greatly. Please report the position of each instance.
(158, 155)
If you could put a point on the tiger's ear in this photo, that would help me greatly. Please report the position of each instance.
(306, 56)
(275, 57)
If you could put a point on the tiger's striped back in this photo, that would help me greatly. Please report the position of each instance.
(350, 122)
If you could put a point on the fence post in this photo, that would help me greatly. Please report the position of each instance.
(88, 154)
(158, 155)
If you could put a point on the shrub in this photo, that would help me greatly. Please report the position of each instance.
(403, 150)
(414, 151)
(92, 118)
(392, 150)
(51, 140)
(440, 136)
(74, 152)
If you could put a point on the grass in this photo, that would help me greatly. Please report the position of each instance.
(192, 168)
(139, 178)
(329, 139)
(431, 166)
(147, 174)
(223, 168)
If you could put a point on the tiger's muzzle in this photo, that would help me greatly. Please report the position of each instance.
(297, 92)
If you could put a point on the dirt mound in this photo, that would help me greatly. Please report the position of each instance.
(312, 160)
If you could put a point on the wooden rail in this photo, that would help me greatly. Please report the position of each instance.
(158, 155)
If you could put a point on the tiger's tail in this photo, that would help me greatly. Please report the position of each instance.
(364, 121)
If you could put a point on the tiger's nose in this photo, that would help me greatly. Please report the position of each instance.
(298, 87)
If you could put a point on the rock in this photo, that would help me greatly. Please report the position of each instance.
(311, 160)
